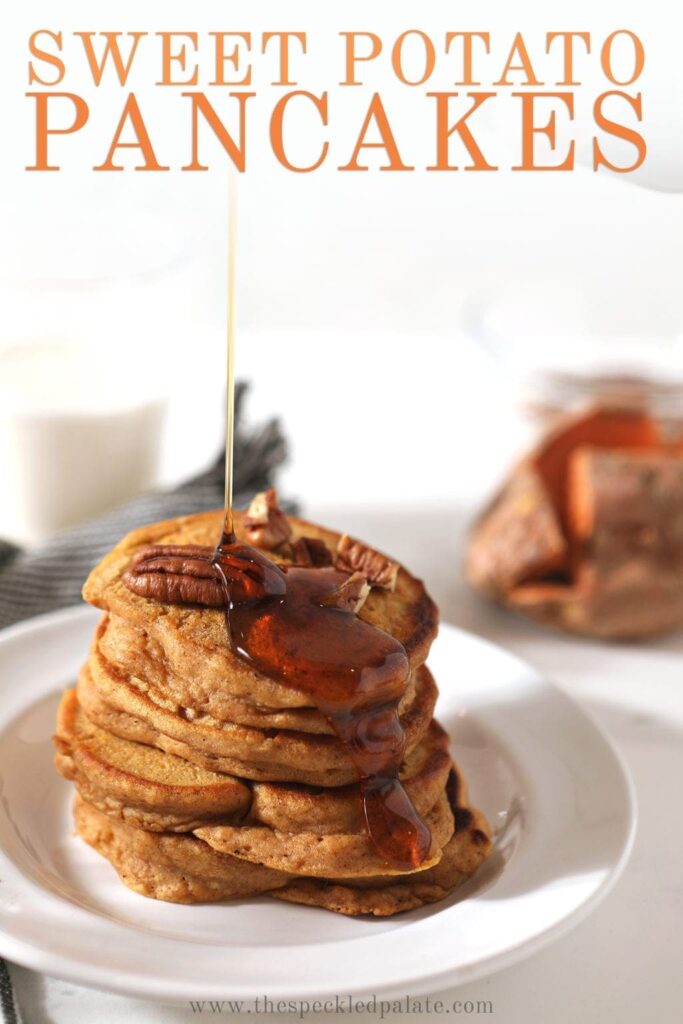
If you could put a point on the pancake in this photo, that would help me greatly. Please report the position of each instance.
(383, 897)
(293, 808)
(140, 784)
(178, 869)
(192, 640)
(319, 854)
(183, 869)
(134, 653)
(154, 790)
(127, 708)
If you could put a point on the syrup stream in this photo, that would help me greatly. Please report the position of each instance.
(228, 526)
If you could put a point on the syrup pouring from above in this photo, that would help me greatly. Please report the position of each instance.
(295, 625)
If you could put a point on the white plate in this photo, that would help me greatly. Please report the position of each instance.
(553, 788)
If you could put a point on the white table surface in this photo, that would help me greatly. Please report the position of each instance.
(624, 962)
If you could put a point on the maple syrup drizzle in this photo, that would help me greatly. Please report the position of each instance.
(354, 673)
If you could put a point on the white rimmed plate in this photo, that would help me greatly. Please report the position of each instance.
(554, 790)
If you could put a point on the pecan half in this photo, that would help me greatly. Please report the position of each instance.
(192, 574)
(311, 551)
(265, 523)
(175, 574)
(349, 595)
(353, 556)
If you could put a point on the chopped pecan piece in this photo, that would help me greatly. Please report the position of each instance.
(349, 595)
(352, 556)
(265, 523)
(311, 551)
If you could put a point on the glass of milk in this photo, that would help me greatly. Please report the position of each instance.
(89, 300)
(77, 436)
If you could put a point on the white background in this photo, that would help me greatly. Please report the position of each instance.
(352, 286)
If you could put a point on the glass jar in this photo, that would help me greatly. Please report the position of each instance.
(565, 344)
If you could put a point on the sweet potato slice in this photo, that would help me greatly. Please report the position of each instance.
(518, 538)
(600, 428)
(632, 497)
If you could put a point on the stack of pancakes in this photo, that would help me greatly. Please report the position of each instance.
(201, 779)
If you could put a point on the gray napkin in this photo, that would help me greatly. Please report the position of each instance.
(51, 576)
(8, 1003)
